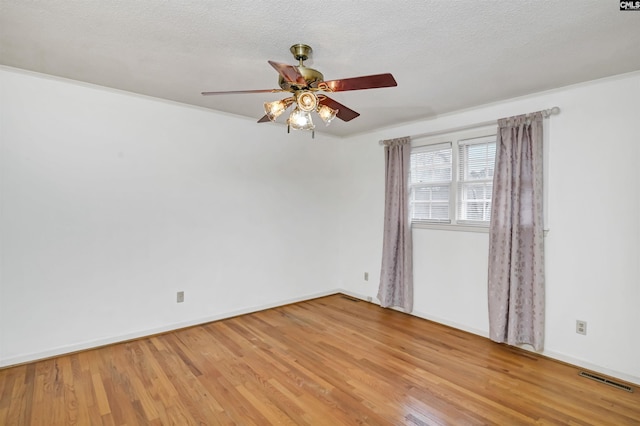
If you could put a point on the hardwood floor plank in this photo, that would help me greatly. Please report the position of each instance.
(101, 394)
(16, 412)
(327, 361)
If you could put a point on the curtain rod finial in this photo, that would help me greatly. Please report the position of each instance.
(551, 111)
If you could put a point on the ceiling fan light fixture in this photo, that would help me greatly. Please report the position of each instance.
(276, 108)
(307, 101)
(300, 120)
(327, 114)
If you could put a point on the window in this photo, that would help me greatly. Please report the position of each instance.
(431, 173)
(451, 180)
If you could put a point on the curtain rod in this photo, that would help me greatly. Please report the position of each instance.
(546, 113)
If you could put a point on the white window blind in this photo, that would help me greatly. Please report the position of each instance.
(476, 158)
(430, 183)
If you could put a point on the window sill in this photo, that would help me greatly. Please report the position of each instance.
(449, 227)
(459, 228)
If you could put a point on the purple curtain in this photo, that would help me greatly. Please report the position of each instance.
(516, 240)
(396, 276)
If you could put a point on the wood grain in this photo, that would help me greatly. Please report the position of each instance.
(328, 361)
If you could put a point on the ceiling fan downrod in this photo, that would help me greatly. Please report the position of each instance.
(301, 52)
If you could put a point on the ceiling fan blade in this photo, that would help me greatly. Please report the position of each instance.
(264, 119)
(359, 83)
(289, 73)
(239, 92)
(344, 113)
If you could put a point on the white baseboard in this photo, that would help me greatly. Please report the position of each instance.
(550, 354)
(424, 316)
(92, 344)
(592, 367)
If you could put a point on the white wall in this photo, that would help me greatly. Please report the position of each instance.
(593, 244)
(112, 202)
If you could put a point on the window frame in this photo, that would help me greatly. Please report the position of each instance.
(454, 139)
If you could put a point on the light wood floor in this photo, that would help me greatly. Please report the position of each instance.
(328, 361)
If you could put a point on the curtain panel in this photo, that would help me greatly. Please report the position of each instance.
(516, 240)
(396, 276)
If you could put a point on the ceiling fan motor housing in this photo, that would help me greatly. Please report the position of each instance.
(312, 78)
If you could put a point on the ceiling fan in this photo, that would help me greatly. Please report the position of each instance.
(305, 84)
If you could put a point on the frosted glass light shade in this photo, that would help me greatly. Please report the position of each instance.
(276, 108)
(327, 114)
(301, 120)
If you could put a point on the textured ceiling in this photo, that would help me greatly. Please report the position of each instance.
(445, 55)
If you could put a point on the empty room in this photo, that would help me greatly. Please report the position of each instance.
(380, 212)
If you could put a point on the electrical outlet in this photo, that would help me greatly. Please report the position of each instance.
(180, 297)
(581, 327)
(366, 276)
